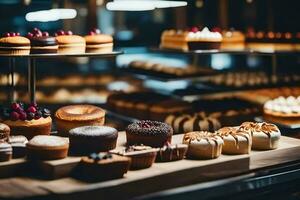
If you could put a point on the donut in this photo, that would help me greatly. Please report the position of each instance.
(203, 145)
(69, 117)
(151, 133)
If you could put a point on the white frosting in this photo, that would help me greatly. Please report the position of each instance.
(287, 105)
(204, 34)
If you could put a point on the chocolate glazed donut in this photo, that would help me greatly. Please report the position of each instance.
(151, 133)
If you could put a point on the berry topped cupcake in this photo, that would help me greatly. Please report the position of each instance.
(14, 44)
(28, 120)
(69, 43)
(41, 42)
(98, 43)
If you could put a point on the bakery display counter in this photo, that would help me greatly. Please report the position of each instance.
(242, 173)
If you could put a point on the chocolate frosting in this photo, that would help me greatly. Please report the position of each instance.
(148, 127)
(43, 41)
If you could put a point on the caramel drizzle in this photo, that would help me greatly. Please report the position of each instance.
(235, 132)
(263, 127)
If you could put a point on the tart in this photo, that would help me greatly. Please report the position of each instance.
(203, 145)
(5, 152)
(98, 43)
(151, 133)
(171, 152)
(4, 132)
(73, 116)
(103, 166)
(265, 136)
(27, 119)
(18, 143)
(236, 141)
(41, 42)
(46, 147)
(14, 44)
(69, 43)
(233, 40)
(88, 139)
(141, 156)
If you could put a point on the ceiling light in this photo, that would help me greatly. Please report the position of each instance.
(50, 15)
(142, 5)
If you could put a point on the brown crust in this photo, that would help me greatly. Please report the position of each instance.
(17, 41)
(80, 113)
(70, 39)
(98, 39)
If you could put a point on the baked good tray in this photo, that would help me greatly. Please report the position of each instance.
(54, 181)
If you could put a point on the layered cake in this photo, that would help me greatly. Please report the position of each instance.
(5, 152)
(191, 40)
(18, 143)
(41, 42)
(28, 120)
(284, 110)
(98, 43)
(14, 44)
(69, 43)
(233, 40)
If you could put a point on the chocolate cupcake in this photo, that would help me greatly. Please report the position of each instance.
(4, 132)
(141, 156)
(41, 42)
(171, 152)
(152, 133)
(89, 139)
(18, 143)
(5, 152)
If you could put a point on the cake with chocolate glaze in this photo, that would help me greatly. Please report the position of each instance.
(41, 42)
(14, 44)
(27, 119)
(151, 133)
(88, 139)
(98, 43)
(171, 152)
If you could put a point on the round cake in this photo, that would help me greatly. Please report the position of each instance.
(69, 43)
(4, 132)
(265, 136)
(283, 110)
(5, 152)
(73, 116)
(236, 141)
(89, 139)
(151, 133)
(27, 119)
(14, 44)
(203, 145)
(46, 147)
(98, 43)
(41, 42)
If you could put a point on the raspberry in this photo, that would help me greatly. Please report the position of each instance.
(15, 106)
(31, 109)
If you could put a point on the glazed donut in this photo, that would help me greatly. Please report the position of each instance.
(203, 144)
(73, 116)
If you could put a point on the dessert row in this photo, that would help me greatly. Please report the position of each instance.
(63, 42)
(196, 39)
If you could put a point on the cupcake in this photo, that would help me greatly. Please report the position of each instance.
(171, 152)
(41, 42)
(69, 43)
(141, 156)
(103, 166)
(5, 152)
(203, 145)
(14, 44)
(98, 43)
(151, 133)
(28, 120)
(88, 139)
(18, 143)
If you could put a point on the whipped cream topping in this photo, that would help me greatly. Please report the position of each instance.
(205, 33)
(281, 104)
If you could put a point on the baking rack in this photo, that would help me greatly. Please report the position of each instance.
(31, 64)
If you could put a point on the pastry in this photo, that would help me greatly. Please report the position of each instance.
(171, 152)
(46, 147)
(236, 141)
(191, 40)
(18, 143)
(41, 42)
(73, 116)
(88, 139)
(141, 156)
(27, 119)
(4, 132)
(283, 110)
(98, 43)
(203, 145)
(69, 43)
(5, 152)
(151, 133)
(14, 44)
(103, 166)
(264, 136)
(233, 40)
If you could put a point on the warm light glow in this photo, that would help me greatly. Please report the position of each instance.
(50, 15)
(142, 5)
